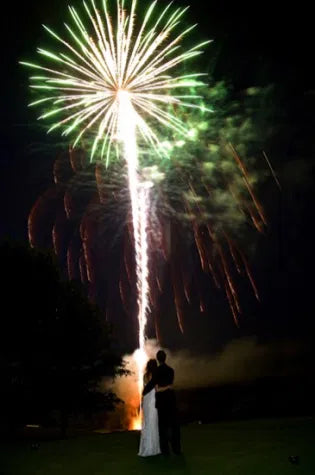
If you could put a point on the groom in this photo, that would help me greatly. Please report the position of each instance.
(166, 406)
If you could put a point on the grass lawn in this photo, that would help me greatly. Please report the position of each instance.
(240, 448)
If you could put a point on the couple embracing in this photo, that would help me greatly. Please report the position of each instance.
(160, 422)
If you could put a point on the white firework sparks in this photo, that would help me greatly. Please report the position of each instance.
(113, 57)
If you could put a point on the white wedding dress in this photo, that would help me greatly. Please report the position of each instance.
(149, 440)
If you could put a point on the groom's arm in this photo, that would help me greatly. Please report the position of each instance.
(160, 389)
(149, 386)
(168, 381)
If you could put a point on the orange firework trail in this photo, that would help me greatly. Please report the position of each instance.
(158, 281)
(178, 305)
(213, 274)
(201, 251)
(186, 284)
(231, 303)
(249, 274)
(229, 279)
(218, 254)
(248, 185)
(236, 200)
(232, 252)
(259, 225)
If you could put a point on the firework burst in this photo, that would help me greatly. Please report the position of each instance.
(112, 69)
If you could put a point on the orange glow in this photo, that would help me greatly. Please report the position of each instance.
(136, 422)
(248, 186)
(134, 412)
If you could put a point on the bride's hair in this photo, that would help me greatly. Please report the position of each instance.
(151, 367)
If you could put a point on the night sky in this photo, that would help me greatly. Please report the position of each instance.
(255, 45)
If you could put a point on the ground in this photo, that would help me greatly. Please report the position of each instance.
(240, 448)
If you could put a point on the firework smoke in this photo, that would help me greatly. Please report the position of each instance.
(241, 361)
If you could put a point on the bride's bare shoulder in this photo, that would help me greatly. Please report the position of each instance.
(146, 378)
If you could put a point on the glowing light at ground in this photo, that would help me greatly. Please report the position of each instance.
(136, 423)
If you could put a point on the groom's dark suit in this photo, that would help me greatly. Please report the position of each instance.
(166, 406)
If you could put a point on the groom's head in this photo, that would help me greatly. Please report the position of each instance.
(161, 356)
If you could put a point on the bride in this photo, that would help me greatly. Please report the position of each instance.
(150, 438)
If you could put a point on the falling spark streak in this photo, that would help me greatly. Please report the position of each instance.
(178, 305)
(249, 188)
(229, 281)
(200, 248)
(256, 222)
(187, 286)
(272, 170)
(213, 274)
(249, 274)
(232, 252)
(231, 303)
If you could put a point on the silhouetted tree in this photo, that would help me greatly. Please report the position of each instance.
(55, 347)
